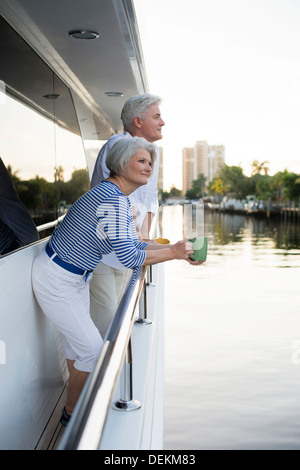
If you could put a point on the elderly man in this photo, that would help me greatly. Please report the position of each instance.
(141, 118)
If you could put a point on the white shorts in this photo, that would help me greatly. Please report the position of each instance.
(64, 298)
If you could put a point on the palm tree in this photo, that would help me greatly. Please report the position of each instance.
(258, 168)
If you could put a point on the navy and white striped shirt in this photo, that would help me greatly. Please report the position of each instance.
(98, 223)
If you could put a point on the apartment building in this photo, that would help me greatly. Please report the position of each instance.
(187, 168)
(202, 158)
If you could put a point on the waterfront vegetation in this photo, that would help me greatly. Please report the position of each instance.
(38, 194)
(284, 186)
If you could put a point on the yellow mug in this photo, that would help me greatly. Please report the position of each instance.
(162, 241)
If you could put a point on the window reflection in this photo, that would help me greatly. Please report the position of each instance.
(40, 145)
(16, 225)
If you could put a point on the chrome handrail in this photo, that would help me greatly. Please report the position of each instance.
(51, 224)
(85, 428)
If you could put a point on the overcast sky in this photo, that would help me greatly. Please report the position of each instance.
(228, 73)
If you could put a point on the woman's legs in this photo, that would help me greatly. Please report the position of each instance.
(77, 379)
(64, 298)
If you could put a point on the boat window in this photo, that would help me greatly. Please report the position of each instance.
(41, 149)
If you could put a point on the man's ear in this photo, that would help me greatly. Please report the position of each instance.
(137, 122)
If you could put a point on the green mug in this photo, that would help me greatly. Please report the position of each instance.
(200, 248)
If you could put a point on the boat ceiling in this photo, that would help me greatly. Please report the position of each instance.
(111, 63)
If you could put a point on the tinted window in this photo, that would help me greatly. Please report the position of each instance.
(40, 142)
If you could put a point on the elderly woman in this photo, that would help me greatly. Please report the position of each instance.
(99, 222)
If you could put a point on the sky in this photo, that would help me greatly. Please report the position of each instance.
(228, 73)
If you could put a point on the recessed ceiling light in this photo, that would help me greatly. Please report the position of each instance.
(83, 34)
(51, 96)
(114, 93)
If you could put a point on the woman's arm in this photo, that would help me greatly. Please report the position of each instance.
(159, 253)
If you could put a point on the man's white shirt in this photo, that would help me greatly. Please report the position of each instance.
(144, 199)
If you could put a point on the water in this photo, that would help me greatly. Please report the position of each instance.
(233, 337)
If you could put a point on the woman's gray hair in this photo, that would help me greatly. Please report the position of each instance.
(122, 151)
(137, 106)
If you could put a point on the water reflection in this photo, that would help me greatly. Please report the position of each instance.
(227, 228)
(232, 336)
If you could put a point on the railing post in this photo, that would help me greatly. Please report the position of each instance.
(126, 401)
(143, 320)
(149, 277)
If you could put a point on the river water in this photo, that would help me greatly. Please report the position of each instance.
(232, 363)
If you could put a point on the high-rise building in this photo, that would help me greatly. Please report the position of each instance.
(201, 159)
(201, 151)
(216, 159)
(187, 168)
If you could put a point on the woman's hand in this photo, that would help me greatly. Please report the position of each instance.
(194, 263)
(182, 250)
(157, 253)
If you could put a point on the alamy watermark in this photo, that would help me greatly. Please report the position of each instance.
(2, 92)
(113, 219)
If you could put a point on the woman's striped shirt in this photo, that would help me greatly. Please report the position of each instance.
(98, 223)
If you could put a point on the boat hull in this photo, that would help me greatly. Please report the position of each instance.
(33, 370)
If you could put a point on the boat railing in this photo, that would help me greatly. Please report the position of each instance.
(51, 224)
(86, 426)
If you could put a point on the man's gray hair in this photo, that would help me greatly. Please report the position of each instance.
(122, 151)
(137, 106)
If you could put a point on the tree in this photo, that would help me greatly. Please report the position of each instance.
(58, 173)
(174, 192)
(198, 187)
(263, 188)
(291, 182)
(234, 180)
(259, 168)
(13, 174)
(37, 193)
(76, 186)
(277, 185)
(217, 186)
